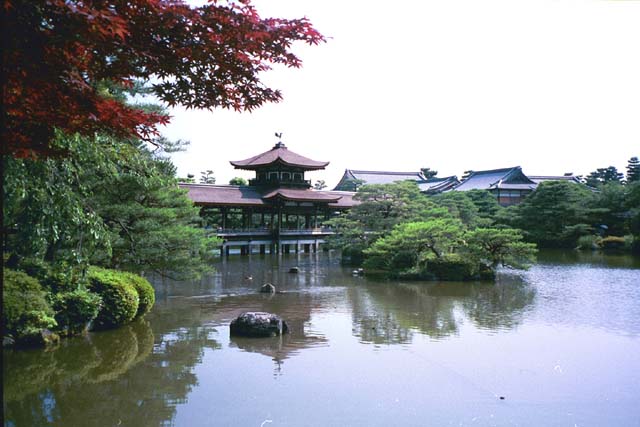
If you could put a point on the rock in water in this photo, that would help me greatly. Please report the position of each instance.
(294, 270)
(268, 288)
(258, 324)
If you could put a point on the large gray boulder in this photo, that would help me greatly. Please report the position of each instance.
(258, 324)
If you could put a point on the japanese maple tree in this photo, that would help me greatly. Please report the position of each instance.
(58, 54)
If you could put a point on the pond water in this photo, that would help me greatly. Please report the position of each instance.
(558, 345)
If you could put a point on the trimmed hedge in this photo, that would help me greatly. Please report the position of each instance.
(119, 297)
(25, 311)
(145, 292)
(75, 310)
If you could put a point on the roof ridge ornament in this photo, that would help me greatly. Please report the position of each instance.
(280, 144)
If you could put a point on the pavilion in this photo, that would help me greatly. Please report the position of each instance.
(277, 211)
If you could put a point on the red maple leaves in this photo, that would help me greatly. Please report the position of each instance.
(57, 52)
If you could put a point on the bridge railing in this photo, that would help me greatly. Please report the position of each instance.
(267, 231)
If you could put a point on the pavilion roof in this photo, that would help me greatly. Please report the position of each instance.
(234, 195)
(279, 154)
(302, 195)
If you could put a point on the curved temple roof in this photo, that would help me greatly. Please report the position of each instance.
(279, 154)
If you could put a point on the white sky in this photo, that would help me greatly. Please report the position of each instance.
(550, 85)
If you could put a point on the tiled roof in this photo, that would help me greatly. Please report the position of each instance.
(232, 195)
(302, 195)
(540, 178)
(375, 177)
(204, 194)
(279, 153)
(436, 185)
(496, 178)
(345, 200)
(385, 177)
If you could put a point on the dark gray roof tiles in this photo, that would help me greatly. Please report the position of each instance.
(496, 178)
(279, 154)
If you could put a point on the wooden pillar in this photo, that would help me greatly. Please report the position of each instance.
(223, 211)
(279, 219)
(263, 249)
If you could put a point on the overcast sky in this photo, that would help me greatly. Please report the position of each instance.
(549, 85)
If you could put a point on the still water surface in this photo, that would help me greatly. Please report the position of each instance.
(560, 343)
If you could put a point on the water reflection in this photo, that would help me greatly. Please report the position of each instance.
(390, 313)
(131, 376)
(295, 307)
(592, 258)
(181, 355)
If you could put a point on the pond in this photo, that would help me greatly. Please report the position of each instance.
(557, 345)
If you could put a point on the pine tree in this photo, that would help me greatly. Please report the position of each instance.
(633, 170)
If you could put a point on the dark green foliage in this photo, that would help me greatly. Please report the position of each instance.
(633, 170)
(486, 203)
(454, 267)
(146, 294)
(442, 249)
(46, 213)
(632, 204)
(320, 185)
(119, 297)
(428, 173)
(604, 176)
(492, 247)
(25, 310)
(460, 206)
(611, 209)
(555, 215)
(110, 202)
(75, 310)
(206, 177)
(153, 226)
(238, 181)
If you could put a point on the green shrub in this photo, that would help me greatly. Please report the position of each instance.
(25, 311)
(589, 242)
(403, 260)
(55, 278)
(145, 291)
(119, 297)
(612, 243)
(75, 310)
(454, 267)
